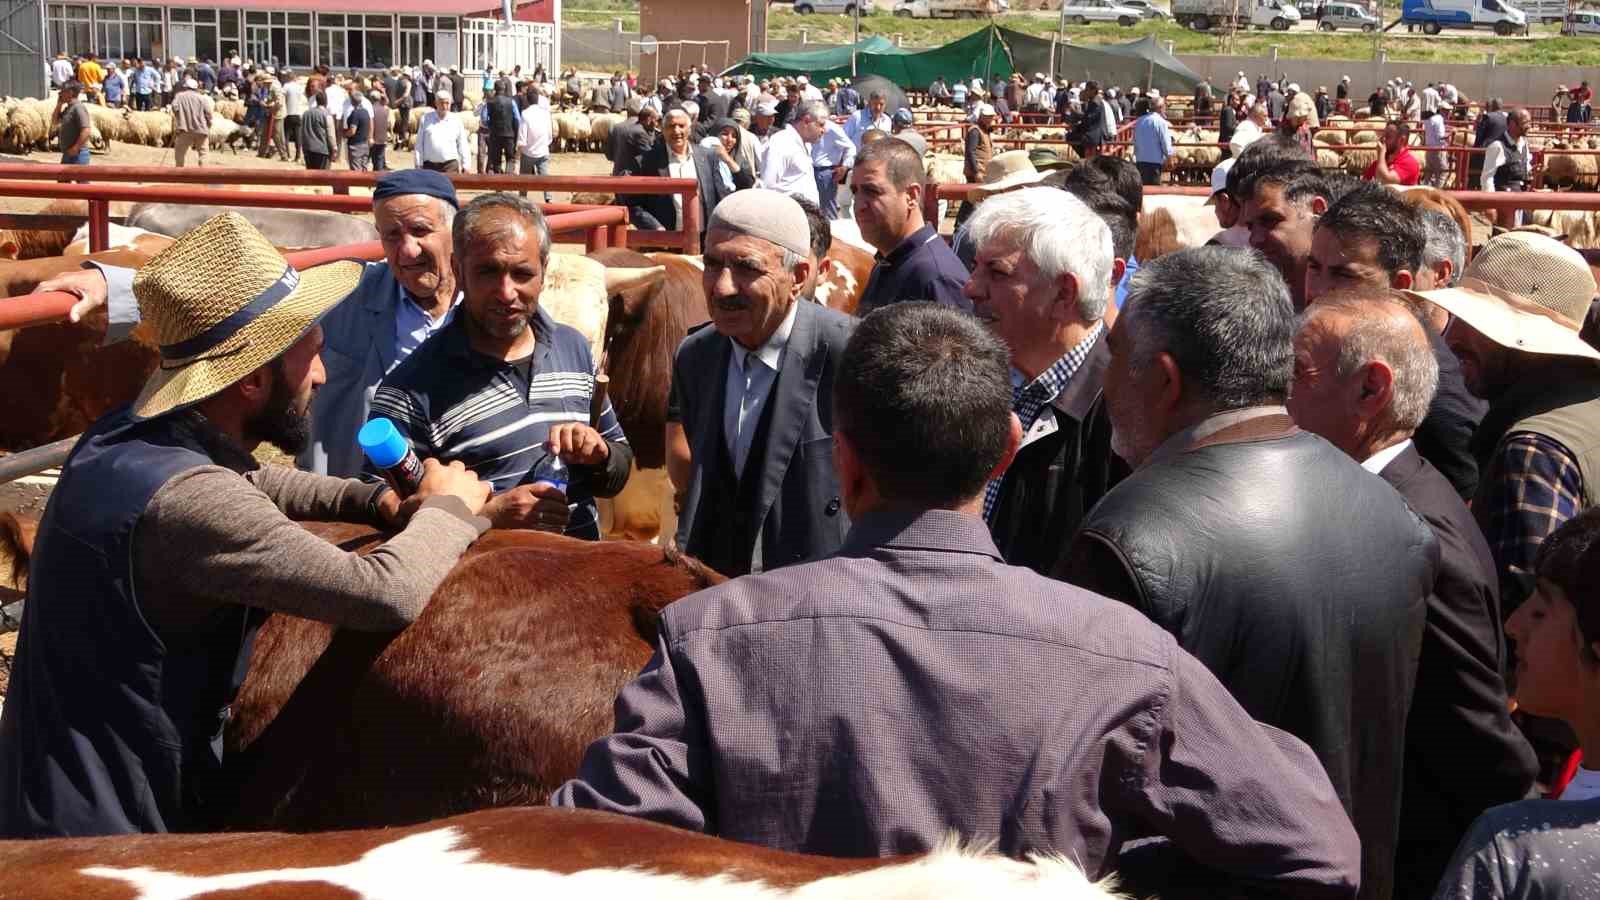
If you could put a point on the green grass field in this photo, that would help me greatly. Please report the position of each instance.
(1549, 49)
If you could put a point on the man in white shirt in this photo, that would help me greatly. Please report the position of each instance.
(1430, 99)
(338, 107)
(1435, 133)
(62, 71)
(1507, 162)
(869, 118)
(832, 155)
(533, 139)
(1250, 130)
(1033, 99)
(294, 107)
(809, 91)
(786, 163)
(441, 138)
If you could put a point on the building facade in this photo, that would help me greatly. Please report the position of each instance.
(345, 34)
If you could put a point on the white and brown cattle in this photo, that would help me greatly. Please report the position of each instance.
(522, 853)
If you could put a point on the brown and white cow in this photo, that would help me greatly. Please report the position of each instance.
(522, 853)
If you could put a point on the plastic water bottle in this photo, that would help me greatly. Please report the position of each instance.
(554, 473)
(392, 454)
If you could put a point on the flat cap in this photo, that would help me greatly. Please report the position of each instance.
(768, 215)
(405, 182)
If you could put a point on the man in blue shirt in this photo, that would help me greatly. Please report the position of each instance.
(1152, 141)
(914, 262)
(873, 117)
(503, 388)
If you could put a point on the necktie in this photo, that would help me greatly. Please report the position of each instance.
(747, 403)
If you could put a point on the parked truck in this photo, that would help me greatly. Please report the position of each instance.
(1201, 15)
(950, 9)
(1545, 11)
(1434, 15)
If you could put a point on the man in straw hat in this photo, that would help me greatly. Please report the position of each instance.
(1514, 321)
(1041, 283)
(515, 387)
(914, 263)
(1012, 170)
(165, 542)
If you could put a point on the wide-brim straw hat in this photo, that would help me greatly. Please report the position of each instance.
(223, 303)
(1509, 320)
(1539, 268)
(1008, 171)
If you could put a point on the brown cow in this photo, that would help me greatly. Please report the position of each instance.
(41, 243)
(528, 852)
(488, 699)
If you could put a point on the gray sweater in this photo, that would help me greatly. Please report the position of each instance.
(315, 131)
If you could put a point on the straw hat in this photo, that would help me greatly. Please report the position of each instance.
(1509, 320)
(1008, 171)
(223, 303)
(1543, 270)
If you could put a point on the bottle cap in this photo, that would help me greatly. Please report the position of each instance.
(382, 442)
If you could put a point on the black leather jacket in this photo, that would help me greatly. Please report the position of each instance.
(1299, 579)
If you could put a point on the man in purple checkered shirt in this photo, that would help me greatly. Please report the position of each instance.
(1040, 281)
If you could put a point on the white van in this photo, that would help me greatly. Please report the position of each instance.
(848, 7)
(1346, 15)
(1582, 22)
(1542, 10)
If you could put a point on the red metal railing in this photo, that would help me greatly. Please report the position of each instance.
(686, 239)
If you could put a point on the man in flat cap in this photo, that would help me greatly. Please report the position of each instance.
(750, 420)
(397, 304)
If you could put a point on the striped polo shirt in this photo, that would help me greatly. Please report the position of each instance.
(454, 403)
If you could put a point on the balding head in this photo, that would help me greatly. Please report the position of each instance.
(1364, 371)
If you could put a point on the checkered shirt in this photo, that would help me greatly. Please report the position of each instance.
(1029, 400)
(1539, 487)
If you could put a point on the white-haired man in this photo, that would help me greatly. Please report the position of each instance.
(1041, 281)
(1365, 373)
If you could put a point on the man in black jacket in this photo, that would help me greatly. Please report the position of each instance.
(1041, 281)
(1364, 373)
(1096, 125)
(504, 118)
(1296, 576)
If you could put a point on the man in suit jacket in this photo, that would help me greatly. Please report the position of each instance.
(1365, 372)
(672, 156)
(750, 420)
(913, 684)
(630, 144)
(714, 107)
(1098, 123)
(397, 304)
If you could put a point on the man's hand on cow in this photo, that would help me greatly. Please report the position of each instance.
(89, 286)
(541, 507)
(452, 480)
(577, 443)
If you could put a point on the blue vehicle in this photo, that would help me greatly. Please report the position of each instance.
(1434, 15)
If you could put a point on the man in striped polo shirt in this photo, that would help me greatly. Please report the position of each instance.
(504, 388)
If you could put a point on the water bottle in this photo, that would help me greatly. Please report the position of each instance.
(553, 472)
(392, 454)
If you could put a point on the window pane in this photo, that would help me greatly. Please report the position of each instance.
(179, 15)
(78, 12)
(446, 23)
(205, 15)
(255, 18)
(300, 48)
(353, 39)
(380, 50)
(384, 22)
(149, 14)
(55, 11)
(299, 18)
(330, 19)
(205, 41)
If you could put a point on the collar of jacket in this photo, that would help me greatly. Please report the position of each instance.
(1232, 426)
(941, 530)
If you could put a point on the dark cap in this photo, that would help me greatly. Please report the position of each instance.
(416, 181)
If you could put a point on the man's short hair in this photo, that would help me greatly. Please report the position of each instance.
(1058, 232)
(901, 164)
(1284, 173)
(680, 111)
(73, 85)
(878, 95)
(465, 226)
(923, 394)
(1116, 215)
(1124, 178)
(1372, 211)
(1260, 156)
(1224, 315)
(1382, 328)
(821, 229)
(812, 109)
(1443, 240)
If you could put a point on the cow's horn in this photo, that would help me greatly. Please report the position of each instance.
(624, 279)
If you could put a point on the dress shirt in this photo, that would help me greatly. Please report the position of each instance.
(294, 98)
(1246, 134)
(1377, 461)
(1495, 157)
(834, 148)
(786, 165)
(413, 324)
(533, 134)
(441, 140)
(338, 101)
(1152, 139)
(863, 122)
(61, 71)
(751, 374)
(680, 167)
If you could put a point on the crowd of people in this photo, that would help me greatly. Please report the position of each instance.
(1197, 568)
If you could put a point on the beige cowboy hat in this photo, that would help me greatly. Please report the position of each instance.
(1538, 268)
(1509, 320)
(223, 303)
(1006, 172)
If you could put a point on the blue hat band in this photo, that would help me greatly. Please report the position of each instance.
(214, 336)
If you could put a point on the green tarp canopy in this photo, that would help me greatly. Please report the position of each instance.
(980, 54)
(1143, 62)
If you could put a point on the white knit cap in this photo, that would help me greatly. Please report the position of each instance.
(769, 215)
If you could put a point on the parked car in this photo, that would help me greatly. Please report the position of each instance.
(1147, 9)
(950, 9)
(1347, 15)
(1582, 22)
(1082, 12)
(848, 7)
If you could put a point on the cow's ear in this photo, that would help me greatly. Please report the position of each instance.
(9, 249)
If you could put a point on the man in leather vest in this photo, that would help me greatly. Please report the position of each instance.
(165, 545)
(1371, 238)
(750, 418)
(504, 120)
(1364, 370)
(1538, 448)
(1292, 573)
(1051, 317)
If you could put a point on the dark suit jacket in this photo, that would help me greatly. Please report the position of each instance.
(1092, 129)
(797, 499)
(712, 189)
(1463, 754)
(713, 106)
(1444, 438)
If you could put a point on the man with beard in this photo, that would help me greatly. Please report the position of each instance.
(504, 388)
(752, 397)
(396, 305)
(165, 544)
